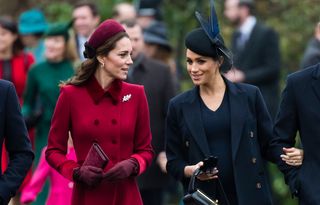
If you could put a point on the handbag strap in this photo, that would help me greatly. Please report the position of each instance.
(192, 188)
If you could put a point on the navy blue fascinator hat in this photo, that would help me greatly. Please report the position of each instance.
(207, 40)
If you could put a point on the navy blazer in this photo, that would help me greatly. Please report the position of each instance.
(13, 131)
(300, 111)
(251, 140)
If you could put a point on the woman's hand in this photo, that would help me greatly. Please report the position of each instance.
(292, 156)
(203, 176)
(162, 161)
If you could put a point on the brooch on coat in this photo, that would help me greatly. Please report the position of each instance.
(126, 98)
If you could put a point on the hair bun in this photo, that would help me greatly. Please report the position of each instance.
(89, 51)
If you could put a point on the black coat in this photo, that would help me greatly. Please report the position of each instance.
(158, 84)
(251, 140)
(13, 131)
(260, 61)
(300, 112)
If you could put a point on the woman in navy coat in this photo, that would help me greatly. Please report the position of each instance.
(223, 119)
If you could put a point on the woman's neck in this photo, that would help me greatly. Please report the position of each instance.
(6, 54)
(216, 85)
(104, 80)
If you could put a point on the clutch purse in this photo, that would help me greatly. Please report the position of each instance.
(195, 196)
(96, 157)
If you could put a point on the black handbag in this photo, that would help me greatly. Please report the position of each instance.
(195, 196)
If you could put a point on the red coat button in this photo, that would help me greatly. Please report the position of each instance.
(114, 141)
(96, 122)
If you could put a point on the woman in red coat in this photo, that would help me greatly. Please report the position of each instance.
(97, 106)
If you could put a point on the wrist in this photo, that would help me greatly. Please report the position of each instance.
(188, 171)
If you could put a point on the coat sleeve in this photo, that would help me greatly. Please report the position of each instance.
(174, 150)
(17, 144)
(30, 192)
(143, 151)
(269, 146)
(285, 130)
(58, 138)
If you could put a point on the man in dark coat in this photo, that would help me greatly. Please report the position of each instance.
(299, 112)
(159, 87)
(256, 52)
(14, 134)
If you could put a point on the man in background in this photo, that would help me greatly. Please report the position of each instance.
(256, 52)
(124, 11)
(86, 18)
(158, 84)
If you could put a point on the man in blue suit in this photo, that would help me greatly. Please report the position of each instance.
(300, 112)
(14, 134)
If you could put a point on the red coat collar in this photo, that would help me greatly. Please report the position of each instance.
(97, 92)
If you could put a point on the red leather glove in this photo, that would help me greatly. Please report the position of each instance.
(122, 170)
(89, 175)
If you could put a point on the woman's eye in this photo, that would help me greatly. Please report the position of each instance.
(201, 62)
(189, 62)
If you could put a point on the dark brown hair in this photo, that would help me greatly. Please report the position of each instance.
(93, 7)
(89, 66)
(8, 24)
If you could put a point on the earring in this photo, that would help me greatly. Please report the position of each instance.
(102, 65)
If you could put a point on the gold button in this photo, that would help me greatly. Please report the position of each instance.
(251, 134)
(254, 160)
(259, 185)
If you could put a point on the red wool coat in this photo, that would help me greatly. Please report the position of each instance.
(118, 120)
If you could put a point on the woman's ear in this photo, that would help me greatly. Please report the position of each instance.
(221, 59)
(100, 59)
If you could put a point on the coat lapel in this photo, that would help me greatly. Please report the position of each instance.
(250, 44)
(316, 81)
(237, 114)
(194, 121)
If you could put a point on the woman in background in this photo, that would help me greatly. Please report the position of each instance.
(14, 67)
(42, 88)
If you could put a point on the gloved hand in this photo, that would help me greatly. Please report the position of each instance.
(89, 175)
(122, 170)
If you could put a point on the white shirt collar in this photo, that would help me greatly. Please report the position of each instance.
(247, 27)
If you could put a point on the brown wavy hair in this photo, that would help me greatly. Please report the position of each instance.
(89, 66)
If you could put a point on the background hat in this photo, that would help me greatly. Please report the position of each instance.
(105, 30)
(59, 29)
(149, 8)
(156, 33)
(32, 22)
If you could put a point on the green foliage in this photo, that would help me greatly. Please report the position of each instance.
(58, 12)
